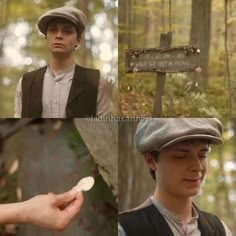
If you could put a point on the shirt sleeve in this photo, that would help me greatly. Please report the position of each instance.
(121, 231)
(18, 99)
(227, 230)
(104, 98)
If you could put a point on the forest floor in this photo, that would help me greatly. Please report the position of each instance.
(136, 98)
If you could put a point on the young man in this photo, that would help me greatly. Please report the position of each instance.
(176, 152)
(48, 211)
(62, 88)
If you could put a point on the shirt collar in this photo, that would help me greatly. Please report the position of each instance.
(171, 215)
(64, 71)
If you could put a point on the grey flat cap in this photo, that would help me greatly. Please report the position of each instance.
(72, 14)
(159, 133)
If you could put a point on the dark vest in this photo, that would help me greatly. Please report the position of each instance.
(148, 221)
(82, 98)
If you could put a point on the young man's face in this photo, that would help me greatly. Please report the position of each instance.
(181, 168)
(62, 37)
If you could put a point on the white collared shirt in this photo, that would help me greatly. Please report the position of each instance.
(56, 90)
(175, 223)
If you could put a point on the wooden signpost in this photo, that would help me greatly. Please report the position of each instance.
(162, 60)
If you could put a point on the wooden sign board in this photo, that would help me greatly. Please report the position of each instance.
(163, 60)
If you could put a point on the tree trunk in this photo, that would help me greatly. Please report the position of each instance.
(82, 48)
(48, 164)
(128, 18)
(122, 22)
(227, 63)
(105, 150)
(200, 36)
(135, 182)
(151, 25)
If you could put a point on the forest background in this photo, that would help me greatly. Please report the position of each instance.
(208, 24)
(218, 191)
(23, 48)
(38, 156)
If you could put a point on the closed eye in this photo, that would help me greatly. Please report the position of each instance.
(52, 29)
(68, 30)
(180, 157)
(203, 153)
(203, 156)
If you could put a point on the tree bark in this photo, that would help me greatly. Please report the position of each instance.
(227, 62)
(122, 22)
(165, 41)
(200, 36)
(135, 182)
(105, 150)
(82, 49)
(48, 164)
(128, 18)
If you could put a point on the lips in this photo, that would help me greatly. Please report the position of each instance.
(193, 180)
(58, 44)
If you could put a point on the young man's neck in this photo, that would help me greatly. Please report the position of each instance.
(178, 205)
(57, 64)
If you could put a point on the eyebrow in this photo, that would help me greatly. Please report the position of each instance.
(64, 25)
(186, 150)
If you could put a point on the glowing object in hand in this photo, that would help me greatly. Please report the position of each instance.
(85, 184)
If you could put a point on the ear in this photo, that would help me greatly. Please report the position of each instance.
(150, 160)
(79, 40)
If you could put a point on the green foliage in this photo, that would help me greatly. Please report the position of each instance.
(101, 193)
(7, 187)
(76, 143)
(181, 97)
(33, 46)
(137, 91)
(103, 202)
(100, 196)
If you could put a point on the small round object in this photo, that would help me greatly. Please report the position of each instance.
(85, 184)
(198, 69)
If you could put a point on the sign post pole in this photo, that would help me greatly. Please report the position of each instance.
(162, 60)
(165, 41)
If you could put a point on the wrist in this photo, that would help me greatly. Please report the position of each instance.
(23, 212)
(13, 213)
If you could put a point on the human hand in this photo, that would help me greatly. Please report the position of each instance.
(52, 211)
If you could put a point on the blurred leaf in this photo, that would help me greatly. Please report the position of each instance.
(76, 143)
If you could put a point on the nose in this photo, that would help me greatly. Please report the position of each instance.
(59, 34)
(196, 164)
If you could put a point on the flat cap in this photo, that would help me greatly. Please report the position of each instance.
(72, 14)
(159, 133)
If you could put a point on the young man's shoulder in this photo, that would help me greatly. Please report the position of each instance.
(92, 70)
(139, 217)
(34, 72)
(145, 220)
(136, 210)
(208, 219)
(136, 216)
(87, 68)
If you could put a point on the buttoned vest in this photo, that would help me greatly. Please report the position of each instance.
(82, 99)
(148, 221)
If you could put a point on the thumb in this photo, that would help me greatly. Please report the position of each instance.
(65, 197)
(73, 208)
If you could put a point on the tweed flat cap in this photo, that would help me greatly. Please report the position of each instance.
(159, 133)
(72, 14)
